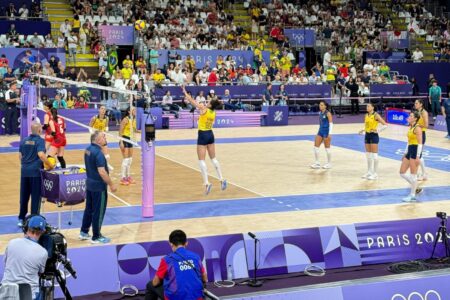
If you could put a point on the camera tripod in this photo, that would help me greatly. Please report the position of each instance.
(442, 232)
(47, 292)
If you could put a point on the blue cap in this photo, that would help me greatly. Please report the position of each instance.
(37, 222)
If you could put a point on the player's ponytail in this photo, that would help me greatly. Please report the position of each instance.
(54, 113)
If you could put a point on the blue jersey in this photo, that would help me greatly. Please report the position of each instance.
(29, 149)
(182, 272)
(94, 159)
(323, 119)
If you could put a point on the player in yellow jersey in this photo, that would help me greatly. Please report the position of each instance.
(205, 141)
(126, 131)
(371, 139)
(423, 123)
(412, 154)
(100, 123)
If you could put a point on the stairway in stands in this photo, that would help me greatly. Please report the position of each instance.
(399, 23)
(244, 19)
(58, 11)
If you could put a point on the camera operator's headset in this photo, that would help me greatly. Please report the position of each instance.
(27, 219)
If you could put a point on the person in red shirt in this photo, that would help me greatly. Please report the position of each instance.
(343, 69)
(58, 129)
(248, 70)
(296, 70)
(4, 63)
(81, 103)
(274, 33)
(212, 78)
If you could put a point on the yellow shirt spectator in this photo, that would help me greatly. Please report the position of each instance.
(263, 70)
(190, 63)
(330, 74)
(126, 73)
(128, 62)
(158, 77)
(285, 63)
(140, 64)
(258, 53)
(70, 103)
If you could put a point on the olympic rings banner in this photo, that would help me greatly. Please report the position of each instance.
(63, 187)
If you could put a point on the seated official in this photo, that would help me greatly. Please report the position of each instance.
(25, 259)
(181, 273)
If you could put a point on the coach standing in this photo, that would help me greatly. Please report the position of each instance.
(11, 116)
(32, 154)
(96, 189)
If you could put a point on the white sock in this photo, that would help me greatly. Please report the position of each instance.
(413, 184)
(375, 162)
(217, 166)
(406, 177)
(204, 171)
(369, 162)
(422, 166)
(130, 160)
(124, 167)
(107, 156)
(328, 151)
(316, 154)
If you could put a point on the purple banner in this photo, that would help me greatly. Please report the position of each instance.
(394, 90)
(440, 123)
(117, 35)
(397, 116)
(248, 91)
(138, 262)
(397, 240)
(389, 56)
(26, 27)
(429, 288)
(94, 93)
(300, 37)
(60, 187)
(204, 57)
(276, 115)
(15, 56)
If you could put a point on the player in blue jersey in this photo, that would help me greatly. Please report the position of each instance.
(323, 136)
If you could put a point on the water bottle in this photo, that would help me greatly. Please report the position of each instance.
(229, 273)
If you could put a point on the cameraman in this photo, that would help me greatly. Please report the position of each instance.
(25, 258)
(181, 273)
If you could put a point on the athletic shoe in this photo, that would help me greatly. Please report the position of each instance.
(423, 177)
(367, 175)
(124, 181)
(223, 184)
(372, 176)
(315, 166)
(419, 191)
(208, 188)
(131, 180)
(101, 240)
(20, 223)
(84, 236)
(326, 166)
(410, 198)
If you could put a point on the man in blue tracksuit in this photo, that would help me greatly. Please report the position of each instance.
(181, 273)
(32, 155)
(97, 182)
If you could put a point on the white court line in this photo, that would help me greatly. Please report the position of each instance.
(195, 169)
(120, 199)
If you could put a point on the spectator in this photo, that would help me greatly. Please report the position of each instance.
(23, 12)
(103, 79)
(49, 43)
(71, 100)
(200, 97)
(112, 106)
(353, 88)
(59, 103)
(435, 98)
(212, 78)
(168, 105)
(154, 57)
(84, 33)
(417, 55)
(127, 71)
(65, 28)
(72, 41)
(267, 98)
(81, 103)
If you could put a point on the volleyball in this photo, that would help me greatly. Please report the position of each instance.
(52, 164)
(139, 25)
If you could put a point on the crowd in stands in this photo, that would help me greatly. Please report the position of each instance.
(11, 12)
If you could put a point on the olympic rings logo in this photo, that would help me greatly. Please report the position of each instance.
(417, 296)
(48, 184)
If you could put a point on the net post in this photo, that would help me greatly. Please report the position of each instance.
(148, 168)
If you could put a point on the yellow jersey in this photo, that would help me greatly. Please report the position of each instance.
(127, 128)
(371, 122)
(206, 121)
(412, 137)
(100, 124)
(421, 121)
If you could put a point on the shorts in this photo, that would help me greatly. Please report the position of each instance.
(205, 137)
(412, 152)
(125, 143)
(58, 142)
(371, 138)
(49, 138)
(324, 132)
